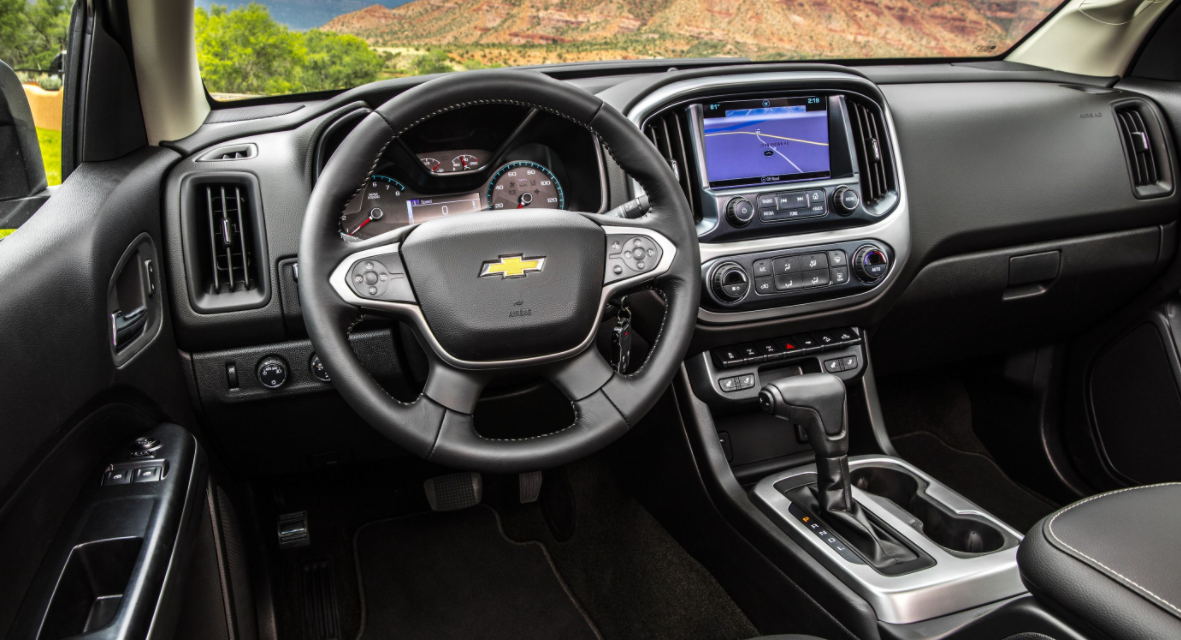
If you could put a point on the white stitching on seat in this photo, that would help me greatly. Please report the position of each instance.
(1050, 528)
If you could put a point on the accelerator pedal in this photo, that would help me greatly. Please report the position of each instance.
(454, 491)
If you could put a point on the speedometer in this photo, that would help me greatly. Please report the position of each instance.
(524, 185)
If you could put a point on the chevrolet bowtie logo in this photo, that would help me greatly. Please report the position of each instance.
(512, 266)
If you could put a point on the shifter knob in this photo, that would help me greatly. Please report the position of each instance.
(816, 402)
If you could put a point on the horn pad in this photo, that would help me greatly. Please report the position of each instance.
(507, 285)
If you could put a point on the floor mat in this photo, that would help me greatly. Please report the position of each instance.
(975, 476)
(455, 575)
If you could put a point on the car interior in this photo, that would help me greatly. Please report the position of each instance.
(552, 352)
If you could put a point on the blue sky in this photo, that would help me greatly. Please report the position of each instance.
(306, 14)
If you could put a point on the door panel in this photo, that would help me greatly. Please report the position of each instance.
(64, 402)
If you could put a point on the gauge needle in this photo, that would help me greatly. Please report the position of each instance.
(367, 221)
(463, 160)
(436, 167)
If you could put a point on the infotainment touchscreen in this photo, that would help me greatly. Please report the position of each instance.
(766, 140)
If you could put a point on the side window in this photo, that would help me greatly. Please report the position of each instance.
(33, 39)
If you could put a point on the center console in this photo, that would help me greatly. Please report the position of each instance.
(795, 184)
(799, 197)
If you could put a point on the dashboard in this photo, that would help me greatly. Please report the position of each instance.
(822, 196)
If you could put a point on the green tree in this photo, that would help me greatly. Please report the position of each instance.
(434, 61)
(336, 61)
(32, 34)
(245, 51)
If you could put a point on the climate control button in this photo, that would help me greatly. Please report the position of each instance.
(730, 282)
(870, 263)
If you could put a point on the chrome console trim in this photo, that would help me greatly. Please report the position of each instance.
(954, 584)
(894, 230)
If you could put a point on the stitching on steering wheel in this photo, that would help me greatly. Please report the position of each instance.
(347, 334)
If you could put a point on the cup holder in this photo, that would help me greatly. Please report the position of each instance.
(965, 534)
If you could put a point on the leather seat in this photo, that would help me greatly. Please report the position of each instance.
(1112, 561)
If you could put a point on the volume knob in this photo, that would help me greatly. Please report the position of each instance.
(739, 211)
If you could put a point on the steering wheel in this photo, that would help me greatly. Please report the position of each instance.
(500, 290)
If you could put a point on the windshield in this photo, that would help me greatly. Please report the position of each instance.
(277, 47)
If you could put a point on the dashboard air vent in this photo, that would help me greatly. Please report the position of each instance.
(224, 242)
(873, 158)
(232, 152)
(1138, 146)
(230, 258)
(670, 133)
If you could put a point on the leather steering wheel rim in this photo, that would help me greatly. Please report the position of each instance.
(438, 425)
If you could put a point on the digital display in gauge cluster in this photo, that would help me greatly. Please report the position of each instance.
(385, 204)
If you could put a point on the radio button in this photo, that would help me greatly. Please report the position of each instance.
(793, 200)
(767, 201)
(816, 196)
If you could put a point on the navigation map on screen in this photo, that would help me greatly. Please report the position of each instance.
(766, 141)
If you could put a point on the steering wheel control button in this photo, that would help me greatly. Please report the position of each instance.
(845, 200)
(739, 211)
(317, 369)
(272, 372)
(870, 263)
(630, 255)
(380, 278)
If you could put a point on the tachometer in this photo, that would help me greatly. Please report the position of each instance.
(464, 162)
(378, 207)
(523, 185)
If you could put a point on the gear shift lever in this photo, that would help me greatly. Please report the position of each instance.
(816, 402)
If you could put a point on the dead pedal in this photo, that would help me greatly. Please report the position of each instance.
(454, 491)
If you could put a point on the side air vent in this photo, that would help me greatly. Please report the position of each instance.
(874, 162)
(1147, 156)
(670, 133)
(232, 152)
(224, 242)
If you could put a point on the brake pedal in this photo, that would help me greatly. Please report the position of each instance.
(454, 491)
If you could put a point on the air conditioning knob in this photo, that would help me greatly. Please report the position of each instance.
(739, 211)
(730, 282)
(845, 200)
(870, 263)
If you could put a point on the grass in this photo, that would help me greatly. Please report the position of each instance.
(51, 154)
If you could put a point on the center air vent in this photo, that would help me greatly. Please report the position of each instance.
(224, 242)
(1143, 147)
(871, 144)
(670, 133)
